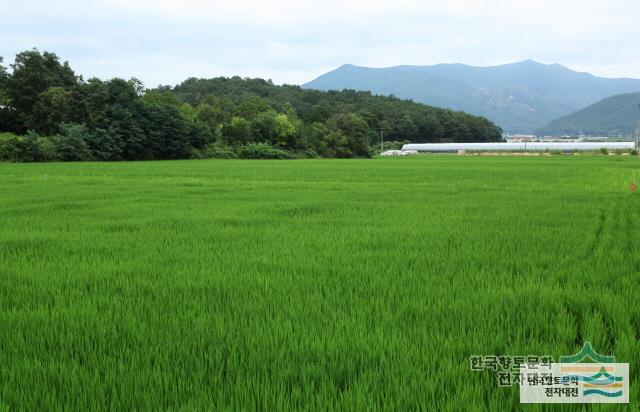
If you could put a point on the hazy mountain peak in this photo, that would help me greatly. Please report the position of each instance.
(528, 62)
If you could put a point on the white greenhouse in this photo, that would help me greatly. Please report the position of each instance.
(518, 146)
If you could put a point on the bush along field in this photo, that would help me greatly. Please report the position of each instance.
(310, 284)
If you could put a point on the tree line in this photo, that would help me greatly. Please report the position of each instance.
(49, 113)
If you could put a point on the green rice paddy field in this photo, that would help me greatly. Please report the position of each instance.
(310, 284)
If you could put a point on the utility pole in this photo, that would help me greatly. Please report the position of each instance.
(381, 140)
(638, 138)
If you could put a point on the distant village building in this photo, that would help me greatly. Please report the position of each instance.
(522, 138)
(519, 138)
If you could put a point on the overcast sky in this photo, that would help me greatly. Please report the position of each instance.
(293, 41)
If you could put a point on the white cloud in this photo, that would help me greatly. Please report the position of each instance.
(162, 41)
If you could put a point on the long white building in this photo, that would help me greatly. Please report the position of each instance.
(519, 146)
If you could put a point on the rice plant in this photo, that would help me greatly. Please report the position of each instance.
(309, 284)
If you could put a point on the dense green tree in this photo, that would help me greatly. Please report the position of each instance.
(359, 134)
(263, 127)
(252, 106)
(188, 112)
(160, 96)
(200, 134)
(167, 133)
(430, 128)
(237, 131)
(9, 116)
(71, 144)
(213, 116)
(224, 117)
(54, 107)
(33, 74)
(327, 142)
(124, 115)
(313, 136)
(105, 144)
(138, 86)
(285, 130)
(4, 79)
(337, 145)
(91, 99)
(274, 128)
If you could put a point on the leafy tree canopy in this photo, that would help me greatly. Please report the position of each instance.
(75, 119)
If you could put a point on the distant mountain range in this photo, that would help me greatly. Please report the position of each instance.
(616, 115)
(519, 97)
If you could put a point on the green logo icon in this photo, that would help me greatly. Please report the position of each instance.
(602, 383)
(587, 352)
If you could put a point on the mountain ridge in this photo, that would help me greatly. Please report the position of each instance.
(520, 97)
(613, 116)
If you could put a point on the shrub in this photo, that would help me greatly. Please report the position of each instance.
(391, 145)
(5, 139)
(5, 147)
(21, 148)
(6, 136)
(604, 151)
(310, 154)
(71, 145)
(214, 151)
(262, 151)
(105, 144)
(46, 149)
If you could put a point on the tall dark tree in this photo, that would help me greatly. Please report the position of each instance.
(167, 132)
(53, 108)
(9, 116)
(91, 100)
(200, 134)
(4, 78)
(106, 144)
(359, 133)
(124, 115)
(33, 74)
(213, 116)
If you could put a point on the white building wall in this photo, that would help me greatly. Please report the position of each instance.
(519, 146)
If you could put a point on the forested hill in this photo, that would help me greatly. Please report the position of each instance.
(400, 119)
(614, 116)
(54, 114)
